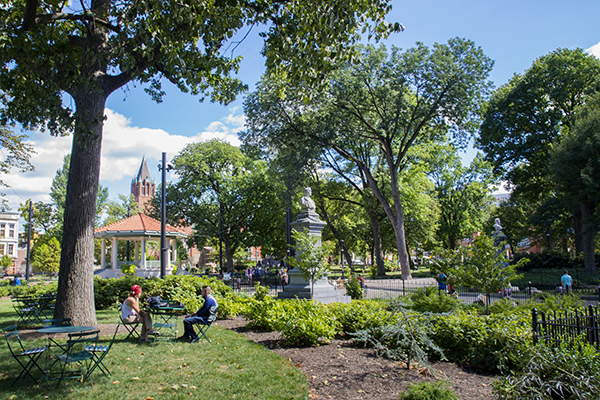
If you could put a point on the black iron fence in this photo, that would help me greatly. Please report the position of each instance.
(391, 288)
(557, 328)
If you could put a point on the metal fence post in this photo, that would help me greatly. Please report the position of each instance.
(534, 324)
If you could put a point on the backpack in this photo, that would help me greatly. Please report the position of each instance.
(155, 302)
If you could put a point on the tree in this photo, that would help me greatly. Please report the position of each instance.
(58, 193)
(311, 256)
(6, 261)
(524, 118)
(382, 103)
(49, 50)
(462, 192)
(42, 216)
(16, 152)
(45, 257)
(487, 267)
(122, 208)
(218, 182)
(575, 170)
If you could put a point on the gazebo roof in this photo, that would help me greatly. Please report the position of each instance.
(139, 225)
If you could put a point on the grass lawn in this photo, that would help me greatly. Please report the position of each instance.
(231, 367)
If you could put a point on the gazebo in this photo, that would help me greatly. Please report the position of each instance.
(138, 229)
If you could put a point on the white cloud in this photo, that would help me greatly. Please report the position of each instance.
(594, 50)
(123, 146)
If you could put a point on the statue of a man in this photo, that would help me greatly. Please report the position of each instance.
(306, 203)
(497, 227)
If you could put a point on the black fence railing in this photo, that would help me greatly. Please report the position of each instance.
(239, 283)
(557, 328)
(391, 288)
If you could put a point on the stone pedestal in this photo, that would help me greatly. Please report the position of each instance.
(301, 288)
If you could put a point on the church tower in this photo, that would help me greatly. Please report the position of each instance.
(143, 187)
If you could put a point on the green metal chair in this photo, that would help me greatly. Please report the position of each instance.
(99, 353)
(27, 358)
(76, 354)
(131, 327)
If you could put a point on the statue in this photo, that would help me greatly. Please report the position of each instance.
(306, 203)
(497, 227)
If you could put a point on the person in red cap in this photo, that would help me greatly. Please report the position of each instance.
(130, 313)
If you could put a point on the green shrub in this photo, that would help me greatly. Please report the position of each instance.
(549, 260)
(557, 373)
(429, 299)
(491, 342)
(129, 270)
(353, 288)
(359, 315)
(407, 338)
(186, 289)
(428, 391)
(260, 292)
(262, 313)
(558, 303)
(501, 306)
(304, 322)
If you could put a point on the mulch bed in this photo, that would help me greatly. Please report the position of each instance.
(339, 370)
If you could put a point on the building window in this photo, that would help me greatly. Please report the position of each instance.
(1, 249)
(11, 249)
(11, 230)
(3, 229)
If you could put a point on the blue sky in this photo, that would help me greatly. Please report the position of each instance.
(513, 33)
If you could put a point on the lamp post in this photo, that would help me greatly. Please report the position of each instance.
(221, 238)
(164, 251)
(28, 265)
(342, 256)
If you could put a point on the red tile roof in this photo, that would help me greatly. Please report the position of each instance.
(139, 223)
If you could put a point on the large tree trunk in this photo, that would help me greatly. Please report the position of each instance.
(377, 248)
(577, 229)
(75, 296)
(588, 234)
(228, 253)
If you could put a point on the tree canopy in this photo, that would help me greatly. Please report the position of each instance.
(382, 103)
(61, 61)
(524, 120)
(222, 191)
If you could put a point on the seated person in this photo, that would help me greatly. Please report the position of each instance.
(131, 313)
(205, 315)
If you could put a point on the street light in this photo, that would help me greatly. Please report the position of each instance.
(342, 256)
(164, 167)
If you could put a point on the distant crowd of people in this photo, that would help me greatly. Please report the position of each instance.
(261, 270)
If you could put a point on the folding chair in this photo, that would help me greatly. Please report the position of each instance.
(26, 308)
(99, 353)
(203, 326)
(31, 356)
(76, 353)
(131, 327)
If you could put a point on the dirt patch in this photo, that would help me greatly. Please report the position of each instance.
(339, 370)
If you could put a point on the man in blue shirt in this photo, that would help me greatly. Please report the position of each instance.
(567, 282)
(205, 315)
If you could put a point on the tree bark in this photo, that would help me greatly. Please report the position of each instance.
(228, 253)
(577, 229)
(377, 248)
(588, 234)
(75, 295)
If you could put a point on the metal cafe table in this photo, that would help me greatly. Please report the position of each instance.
(164, 319)
(55, 330)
